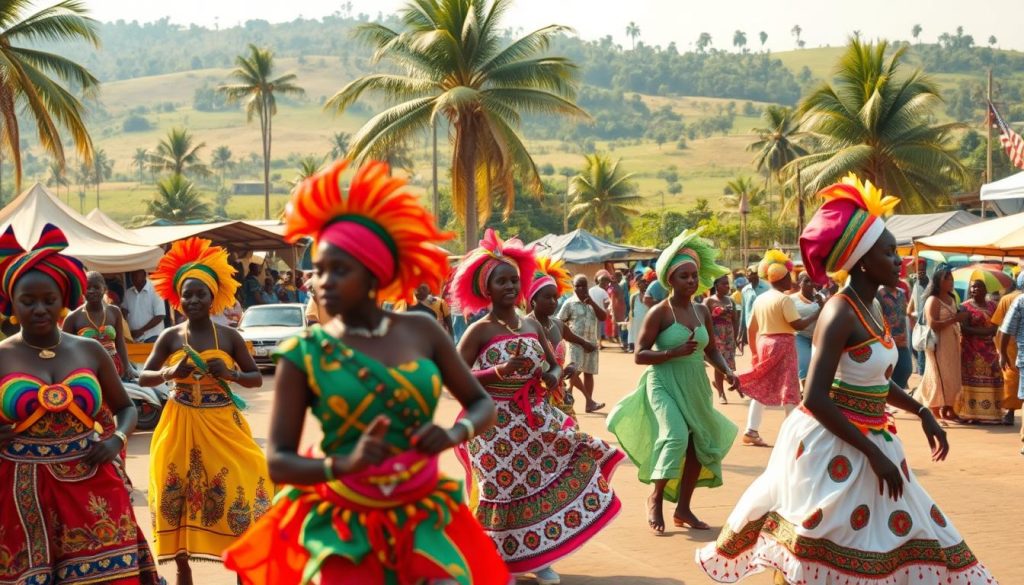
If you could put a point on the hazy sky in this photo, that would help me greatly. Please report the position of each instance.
(824, 22)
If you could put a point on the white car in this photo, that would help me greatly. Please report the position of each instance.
(265, 326)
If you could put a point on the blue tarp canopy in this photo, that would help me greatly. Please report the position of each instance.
(582, 247)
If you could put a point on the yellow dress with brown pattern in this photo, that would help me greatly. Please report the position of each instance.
(208, 478)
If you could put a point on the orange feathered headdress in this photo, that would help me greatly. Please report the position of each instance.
(199, 259)
(550, 273)
(377, 220)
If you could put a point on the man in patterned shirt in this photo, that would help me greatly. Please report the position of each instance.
(1013, 325)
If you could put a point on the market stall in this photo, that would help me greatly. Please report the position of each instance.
(585, 253)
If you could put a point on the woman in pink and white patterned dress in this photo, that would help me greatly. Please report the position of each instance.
(541, 487)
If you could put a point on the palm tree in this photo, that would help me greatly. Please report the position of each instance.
(776, 146)
(339, 144)
(873, 119)
(764, 38)
(178, 154)
(633, 32)
(58, 178)
(455, 64)
(309, 165)
(102, 168)
(27, 92)
(745, 195)
(739, 40)
(139, 159)
(703, 42)
(796, 31)
(221, 160)
(177, 201)
(256, 85)
(916, 32)
(603, 196)
(83, 177)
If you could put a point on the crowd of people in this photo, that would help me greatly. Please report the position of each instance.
(511, 335)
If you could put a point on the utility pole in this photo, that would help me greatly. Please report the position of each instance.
(799, 204)
(565, 207)
(988, 134)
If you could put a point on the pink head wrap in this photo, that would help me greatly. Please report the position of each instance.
(367, 245)
(469, 285)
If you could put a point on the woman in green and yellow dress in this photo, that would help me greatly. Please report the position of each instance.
(208, 479)
(369, 507)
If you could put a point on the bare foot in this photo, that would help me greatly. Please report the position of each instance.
(687, 519)
(655, 519)
(721, 397)
(594, 406)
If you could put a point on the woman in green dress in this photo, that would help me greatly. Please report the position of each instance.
(371, 507)
(668, 426)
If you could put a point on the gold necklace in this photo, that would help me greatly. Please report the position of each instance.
(506, 325)
(46, 353)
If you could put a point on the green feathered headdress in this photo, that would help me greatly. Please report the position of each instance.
(689, 248)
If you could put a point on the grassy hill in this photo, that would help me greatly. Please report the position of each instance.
(302, 127)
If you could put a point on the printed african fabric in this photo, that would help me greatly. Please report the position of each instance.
(208, 479)
(670, 407)
(774, 378)
(725, 330)
(62, 521)
(815, 514)
(541, 485)
(396, 523)
(1011, 375)
(106, 335)
(982, 388)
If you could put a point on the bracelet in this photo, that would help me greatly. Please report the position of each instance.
(163, 375)
(236, 375)
(329, 468)
(921, 410)
(497, 373)
(469, 426)
(123, 437)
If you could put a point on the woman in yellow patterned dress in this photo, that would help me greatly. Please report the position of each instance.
(208, 479)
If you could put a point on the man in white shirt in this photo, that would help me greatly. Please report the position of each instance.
(143, 308)
(602, 299)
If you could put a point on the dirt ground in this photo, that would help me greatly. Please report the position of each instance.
(980, 487)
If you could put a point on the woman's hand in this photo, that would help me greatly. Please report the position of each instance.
(550, 380)
(936, 436)
(588, 347)
(516, 365)
(431, 439)
(103, 451)
(734, 382)
(219, 369)
(182, 370)
(683, 350)
(569, 371)
(888, 475)
(371, 449)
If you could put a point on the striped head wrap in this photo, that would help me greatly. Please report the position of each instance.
(845, 227)
(46, 257)
(550, 273)
(469, 285)
(689, 248)
(377, 221)
(199, 259)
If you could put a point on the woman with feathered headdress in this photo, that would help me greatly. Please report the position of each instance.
(838, 502)
(774, 378)
(550, 282)
(533, 457)
(371, 506)
(668, 426)
(65, 514)
(208, 478)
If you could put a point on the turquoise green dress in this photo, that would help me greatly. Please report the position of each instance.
(670, 407)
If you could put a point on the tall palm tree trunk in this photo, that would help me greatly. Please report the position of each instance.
(265, 120)
(465, 163)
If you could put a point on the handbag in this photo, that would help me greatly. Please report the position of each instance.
(924, 338)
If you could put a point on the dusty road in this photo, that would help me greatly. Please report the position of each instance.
(980, 487)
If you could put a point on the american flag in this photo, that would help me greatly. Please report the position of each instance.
(1010, 140)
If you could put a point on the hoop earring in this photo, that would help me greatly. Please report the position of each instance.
(13, 320)
(64, 313)
(373, 294)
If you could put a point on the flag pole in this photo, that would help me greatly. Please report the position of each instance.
(988, 133)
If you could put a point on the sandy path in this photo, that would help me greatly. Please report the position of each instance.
(980, 487)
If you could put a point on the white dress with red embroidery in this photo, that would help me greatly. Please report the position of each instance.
(542, 487)
(816, 516)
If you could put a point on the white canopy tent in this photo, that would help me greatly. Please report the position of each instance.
(91, 243)
(1005, 194)
(105, 222)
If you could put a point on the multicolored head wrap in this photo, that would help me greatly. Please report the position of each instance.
(199, 259)
(550, 273)
(846, 226)
(650, 275)
(377, 221)
(469, 286)
(689, 248)
(46, 257)
(774, 266)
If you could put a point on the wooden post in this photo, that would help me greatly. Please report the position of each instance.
(988, 134)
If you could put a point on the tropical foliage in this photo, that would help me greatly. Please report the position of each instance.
(454, 61)
(34, 84)
(776, 146)
(255, 86)
(873, 120)
(177, 201)
(603, 196)
(308, 166)
(178, 154)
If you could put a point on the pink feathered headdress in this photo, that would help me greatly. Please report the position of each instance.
(469, 286)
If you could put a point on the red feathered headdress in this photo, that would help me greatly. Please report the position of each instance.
(469, 287)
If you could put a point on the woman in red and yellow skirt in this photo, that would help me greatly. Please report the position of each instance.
(373, 507)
